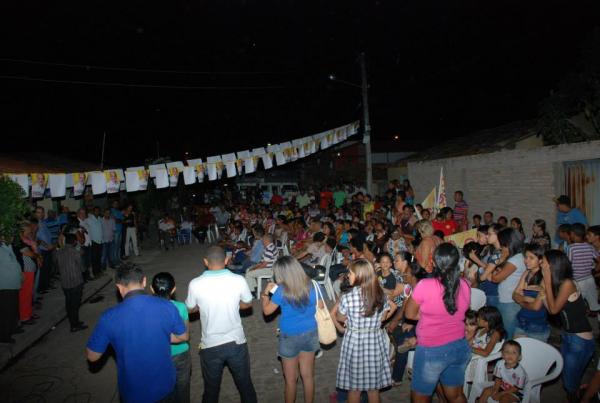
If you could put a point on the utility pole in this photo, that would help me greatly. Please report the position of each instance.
(367, 128)
(102, 158)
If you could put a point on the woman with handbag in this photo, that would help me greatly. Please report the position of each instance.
(298, 338)
(364, 359)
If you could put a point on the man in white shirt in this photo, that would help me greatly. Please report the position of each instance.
(219, 295)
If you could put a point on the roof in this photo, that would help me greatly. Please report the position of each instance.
(485, 141)
(37, 162)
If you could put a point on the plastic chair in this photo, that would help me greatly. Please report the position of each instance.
(326, 261)
(259, 283)
(537, 359)
(478, 299)
(477, 368)
(184, 236)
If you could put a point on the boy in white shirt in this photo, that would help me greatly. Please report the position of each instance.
(509, 377)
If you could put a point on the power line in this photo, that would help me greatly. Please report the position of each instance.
(133, 69)
(117, 84)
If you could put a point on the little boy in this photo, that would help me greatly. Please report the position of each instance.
(583, 261)
(509, 377)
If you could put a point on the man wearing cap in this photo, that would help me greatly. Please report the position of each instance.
(566, 214)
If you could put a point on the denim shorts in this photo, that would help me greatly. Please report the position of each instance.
(292, 345)
(444, 364)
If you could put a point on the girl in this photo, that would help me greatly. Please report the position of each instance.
(298, 340)
(517, 225)
(540, 236)
(490, 254)
(507, 277)
(490, 332)
(562, 297)
(439, 303)
(533, 317)
(163, 286)
(470, 325)
(365, 345)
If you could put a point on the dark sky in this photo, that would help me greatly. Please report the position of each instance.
(437, 69)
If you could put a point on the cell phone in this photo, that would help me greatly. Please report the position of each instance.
(272, 290)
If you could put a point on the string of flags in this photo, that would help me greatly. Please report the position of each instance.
(134, 179)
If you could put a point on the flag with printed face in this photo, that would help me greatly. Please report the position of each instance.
(79, 183)
(441, 198)
(39, 183)
(429, 202)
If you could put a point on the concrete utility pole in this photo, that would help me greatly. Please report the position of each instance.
(367, 129)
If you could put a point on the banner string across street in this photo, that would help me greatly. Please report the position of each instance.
(167, 174)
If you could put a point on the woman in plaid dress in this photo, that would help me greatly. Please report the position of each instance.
(364, 358)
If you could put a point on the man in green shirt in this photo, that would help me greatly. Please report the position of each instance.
(339, 197)
(302, 199)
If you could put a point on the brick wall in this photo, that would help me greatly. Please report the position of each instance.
(512, 183)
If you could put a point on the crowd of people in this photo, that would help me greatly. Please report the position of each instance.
(65, 250)
(397, 287)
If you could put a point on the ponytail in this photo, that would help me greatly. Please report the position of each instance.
(446, 258)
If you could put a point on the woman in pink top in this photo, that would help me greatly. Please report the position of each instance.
(439, 303)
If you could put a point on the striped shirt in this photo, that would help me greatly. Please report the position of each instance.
(582, 257)
(270, 255)
(460, 213)
(69, 267)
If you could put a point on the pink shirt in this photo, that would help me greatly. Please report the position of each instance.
(436, 326)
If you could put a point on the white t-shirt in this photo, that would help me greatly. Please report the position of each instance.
(516, 376)
(508, 285)
(218, 294)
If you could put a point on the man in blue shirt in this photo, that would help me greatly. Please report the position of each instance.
(140, 330)
(117, 214)
(46, 248)
(53, 225)
(566, 214)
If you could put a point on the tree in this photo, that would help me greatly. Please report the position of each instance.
(578, 95)
(13, 208)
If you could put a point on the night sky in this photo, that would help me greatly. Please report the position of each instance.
(437, 69)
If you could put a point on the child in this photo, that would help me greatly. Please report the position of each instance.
(490, 332)
(239, 253)
(564, 233)
(476, 221)
(470, 325)
(163, 286)
(583, 261)
(510, 377)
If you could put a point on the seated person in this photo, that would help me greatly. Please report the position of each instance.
(314, 251)
(167, 230)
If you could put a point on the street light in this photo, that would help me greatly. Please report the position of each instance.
(367, 128)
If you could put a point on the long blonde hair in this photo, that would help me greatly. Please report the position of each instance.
(366, 279)
(289, 273)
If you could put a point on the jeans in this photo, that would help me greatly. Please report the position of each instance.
(492, 300)
(290, 346)
(117, 246)
(183, 366)
(445, 364)
(576, 353)
(213, 360)
(509, 311)
(72, 303)
(107, 258)
(45, 271)
(401, 358)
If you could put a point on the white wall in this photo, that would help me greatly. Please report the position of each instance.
(512, 183)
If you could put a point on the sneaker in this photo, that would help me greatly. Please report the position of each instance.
(78, 328)
(319, 354)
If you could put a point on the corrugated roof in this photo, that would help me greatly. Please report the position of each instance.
(481, 142)
(37, 162)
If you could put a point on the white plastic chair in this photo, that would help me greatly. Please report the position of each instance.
(477, 368)
(326, 261)
(537, 359)
(478, 299)
(259, 280)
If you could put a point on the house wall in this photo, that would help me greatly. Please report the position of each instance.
(513, 183)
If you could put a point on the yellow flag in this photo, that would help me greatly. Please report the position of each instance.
(462, 238)
(429, 201)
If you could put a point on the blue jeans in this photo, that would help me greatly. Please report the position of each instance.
(290, 346)
(116, 250)
(401, 358)
(213, 361)
(509, 311)
(445, 364)
(492, 300)
(107, 255)
(576, 353)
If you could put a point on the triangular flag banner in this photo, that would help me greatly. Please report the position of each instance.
(98, 182)
(39, 183)
(441, 199)
(161, 180)
(429, 202)
(57, 184)
(79, 182)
